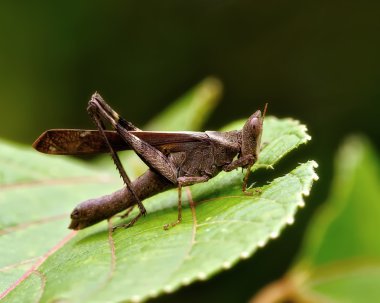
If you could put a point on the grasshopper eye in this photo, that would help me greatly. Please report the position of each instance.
(251, 135)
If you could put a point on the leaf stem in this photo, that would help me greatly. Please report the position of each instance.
(282, 290)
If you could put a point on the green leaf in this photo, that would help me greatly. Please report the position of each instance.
(340, 259)
(37, 193)
(41, 259)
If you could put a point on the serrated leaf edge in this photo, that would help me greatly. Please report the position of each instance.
(225, 265)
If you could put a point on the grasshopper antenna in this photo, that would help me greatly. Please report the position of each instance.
(265, 109)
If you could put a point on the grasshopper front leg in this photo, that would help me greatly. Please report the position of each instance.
(245, 162)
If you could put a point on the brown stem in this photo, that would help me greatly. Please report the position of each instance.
(284, 290)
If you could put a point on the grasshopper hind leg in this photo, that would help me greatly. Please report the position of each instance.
(99, 110)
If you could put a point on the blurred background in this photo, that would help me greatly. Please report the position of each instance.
(315, 61)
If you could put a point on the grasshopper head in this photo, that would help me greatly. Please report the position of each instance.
(251, 135)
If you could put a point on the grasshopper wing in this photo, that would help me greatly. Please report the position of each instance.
(85, 142)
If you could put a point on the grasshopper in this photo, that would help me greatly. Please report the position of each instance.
(175, 159)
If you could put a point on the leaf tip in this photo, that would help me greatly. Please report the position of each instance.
(227, 265)
(153, 293)
(135, 299)
(244, 255)
(202, 276)
(261, 243)
(168, 289)
(301, 203)
(290, 220)
(314, 164)
(186, 281)
(274, 234)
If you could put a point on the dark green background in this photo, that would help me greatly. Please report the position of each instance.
(317, 61)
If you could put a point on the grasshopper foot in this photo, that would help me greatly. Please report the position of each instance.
(126, 225)
(116, 227)
(252, 192)
(248, 193)
(129, 224)
(170, 225)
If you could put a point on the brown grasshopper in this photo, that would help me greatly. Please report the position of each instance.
(175, 159)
